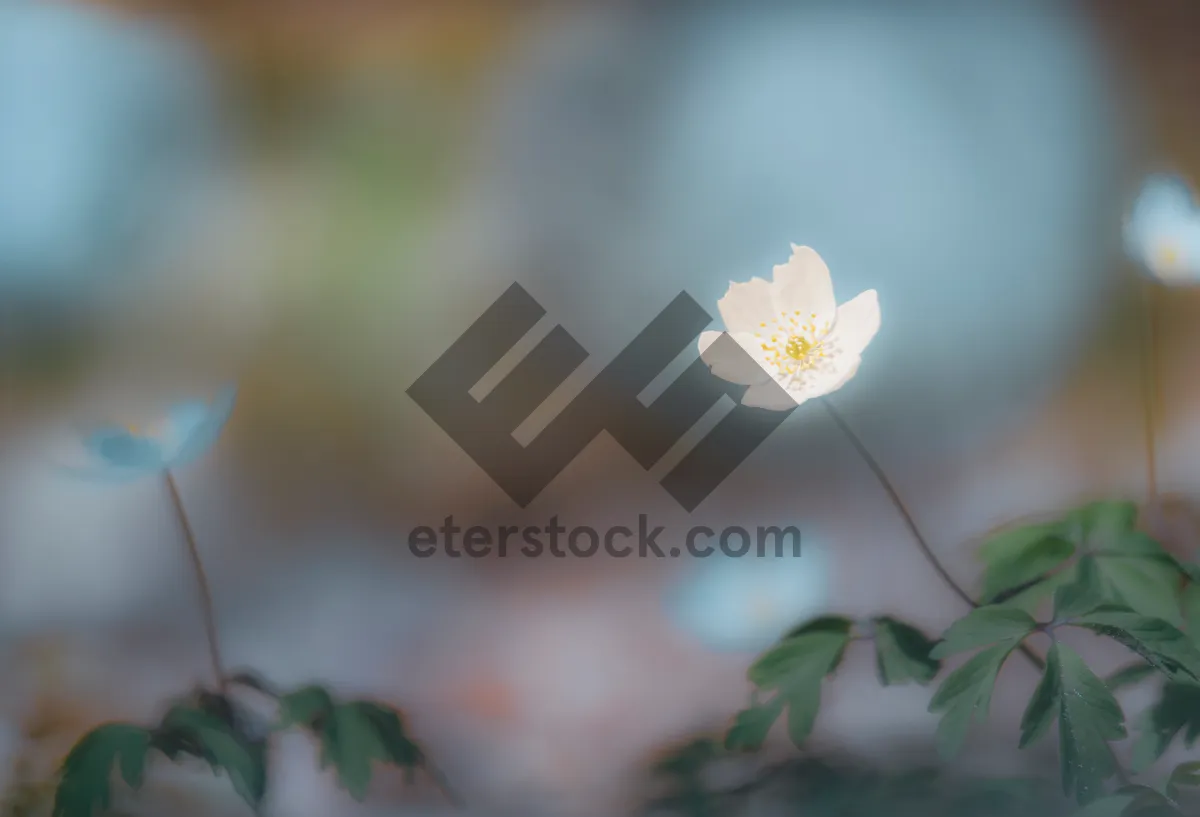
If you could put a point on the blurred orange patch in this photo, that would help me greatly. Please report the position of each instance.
(491, 699)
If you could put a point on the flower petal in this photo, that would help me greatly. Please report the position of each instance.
(1162, 232)
(770, 396)
(843, 374)
(122, 450)
(1162, 199)
(201, 428)
(746, 305)
(803, 285)
(857, 324)
(731, 357)
(823, 381)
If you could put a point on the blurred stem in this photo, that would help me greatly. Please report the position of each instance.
(206, 602)
(1036, 660)
(443, 785)
(922, 544)
(1150, 386)
(886, 484)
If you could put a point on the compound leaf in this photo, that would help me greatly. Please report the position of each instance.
(1015, 560)
(1045, 703)
(751, 726)
(798, 665)
(1157, 641)
(903, 653)
(1177, 710)
(1089, 717)
(984, 626)
(965, 693)
(217, 741)
(84, 786)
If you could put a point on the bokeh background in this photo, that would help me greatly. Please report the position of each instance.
(315, 199)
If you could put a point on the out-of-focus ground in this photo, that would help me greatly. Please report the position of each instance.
(378, 184)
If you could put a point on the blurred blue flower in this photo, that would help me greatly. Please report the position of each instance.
(108, 142)
(186, 433)
(747, 603)
(1162, 232)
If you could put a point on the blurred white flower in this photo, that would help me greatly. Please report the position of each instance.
(1162, 233)
(660, 142)
(795, 332)
(747, 603)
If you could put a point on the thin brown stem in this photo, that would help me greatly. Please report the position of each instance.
(890, 490)
(1150, 386)
(206, 601)
(1034, 659)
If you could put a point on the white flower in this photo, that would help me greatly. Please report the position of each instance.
(803, 343)
(1163, 231)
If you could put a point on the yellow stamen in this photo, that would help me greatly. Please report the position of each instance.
(801, 349)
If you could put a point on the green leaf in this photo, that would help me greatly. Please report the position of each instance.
(84, 786)
(1189, 603)
(186, 730)
(689, 760)
(1102, 524)
(1191, 570)
(357, 734)
(1155, 640)
(1147, 585)
(985, 626)
(1185, 775)
(1032, 597)
(1083, 594)
(903, 653)
(1130, 675)
(1177, 710)
(799, 658)
(1089, 717)
(751, 726)
(304, 707)
(1045, 703)
(797, 666)
(400, 749)
(965, 693)
(1020, 557)
(822, 624)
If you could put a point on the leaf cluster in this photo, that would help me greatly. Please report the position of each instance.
(1092, 570)
(209, 727)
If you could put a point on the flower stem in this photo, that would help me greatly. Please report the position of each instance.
(443, 785)
(206, 602)
(1036, 660)
(1150, 387)
(886, 484)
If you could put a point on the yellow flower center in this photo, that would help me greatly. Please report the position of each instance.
(799, 348)
(792, 346)
(1168, 256)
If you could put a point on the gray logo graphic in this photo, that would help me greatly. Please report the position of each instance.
(484, 428)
